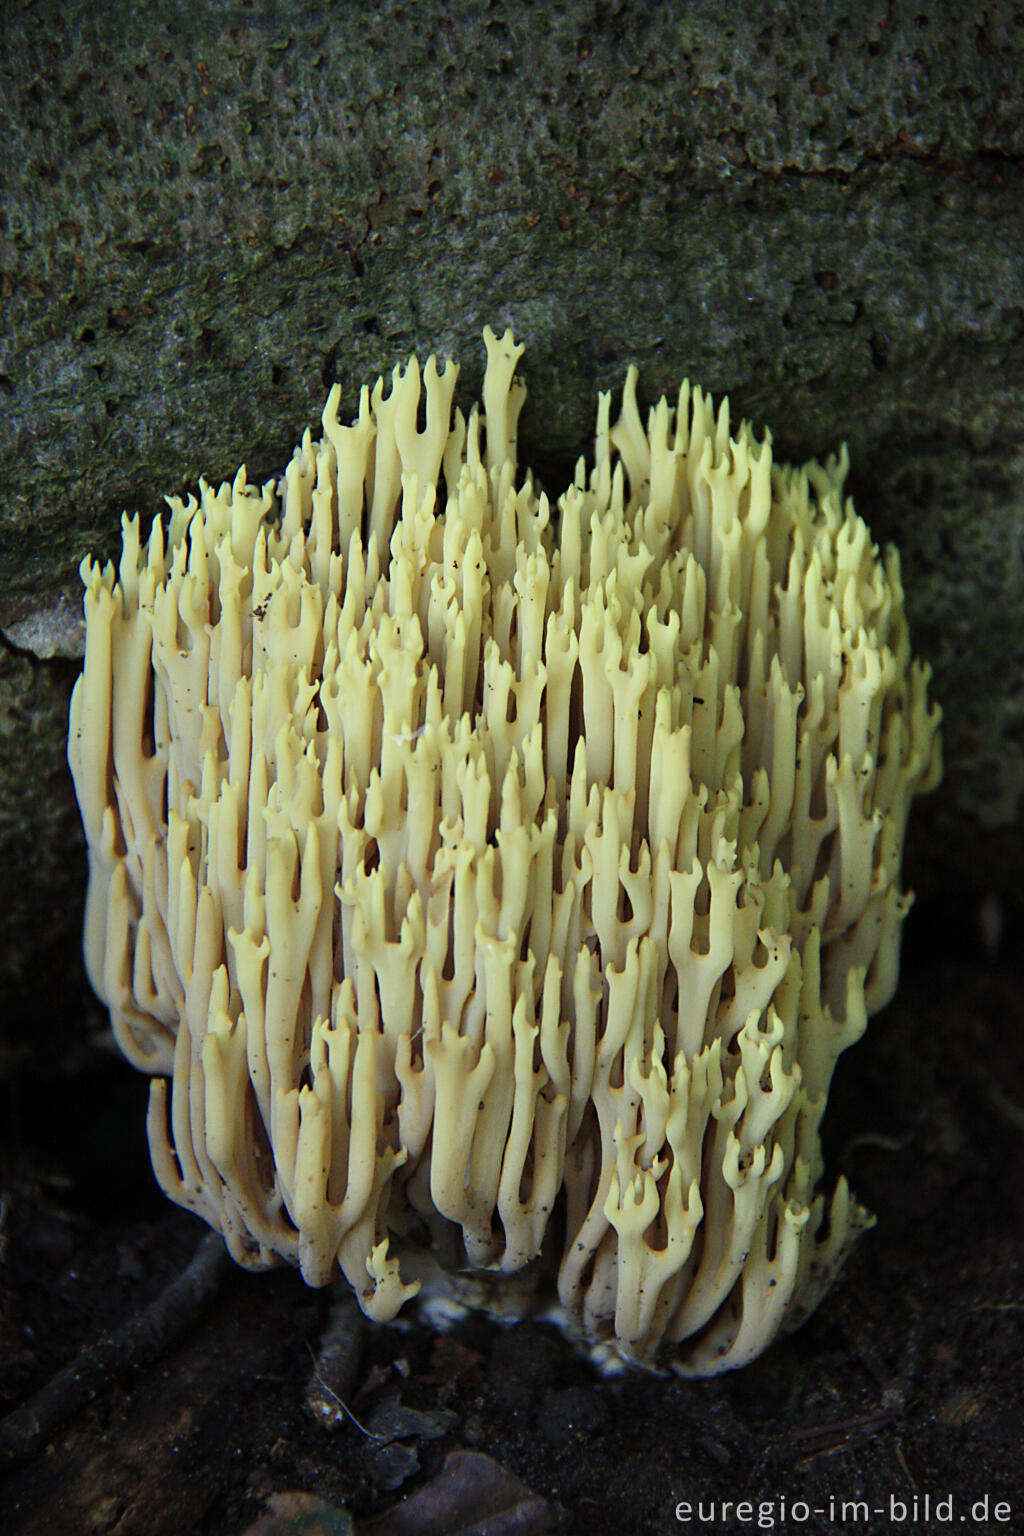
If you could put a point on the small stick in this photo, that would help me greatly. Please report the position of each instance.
(144, 1338)
(336, 1367)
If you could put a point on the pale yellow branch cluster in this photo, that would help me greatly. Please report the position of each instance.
(501, 884)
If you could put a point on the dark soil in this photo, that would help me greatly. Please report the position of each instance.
(906, 1385)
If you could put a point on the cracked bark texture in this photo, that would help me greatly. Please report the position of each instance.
(211, 211)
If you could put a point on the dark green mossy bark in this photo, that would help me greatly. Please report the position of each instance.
(211, 211)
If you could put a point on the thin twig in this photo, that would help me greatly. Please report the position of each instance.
(834, 1437)
(144, 1338)
(1007, 1108)
(330, 1392)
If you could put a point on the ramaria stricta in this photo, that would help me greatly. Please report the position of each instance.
(490, 886)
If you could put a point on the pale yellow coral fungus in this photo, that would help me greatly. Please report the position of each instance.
(499, 883)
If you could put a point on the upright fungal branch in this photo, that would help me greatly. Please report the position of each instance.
(490, 887)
